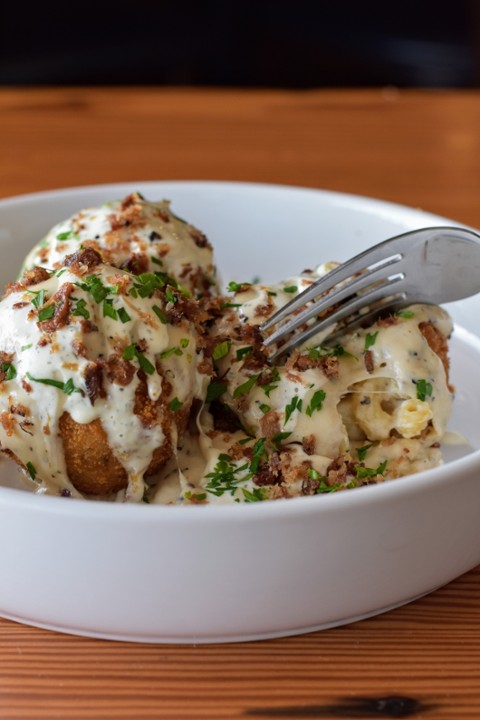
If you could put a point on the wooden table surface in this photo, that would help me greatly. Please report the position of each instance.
(419, 148)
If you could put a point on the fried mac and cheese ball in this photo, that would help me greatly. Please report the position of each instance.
(99, 370)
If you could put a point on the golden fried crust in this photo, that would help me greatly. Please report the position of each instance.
(92, 467)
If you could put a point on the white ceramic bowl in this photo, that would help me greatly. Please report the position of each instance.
(249, 571)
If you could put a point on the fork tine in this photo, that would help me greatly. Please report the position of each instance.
(348, 308)
(378, 276)
(363, 261)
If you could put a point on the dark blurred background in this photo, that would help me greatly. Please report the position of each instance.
(295, 44)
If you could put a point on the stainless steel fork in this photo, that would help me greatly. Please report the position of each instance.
(430, 265)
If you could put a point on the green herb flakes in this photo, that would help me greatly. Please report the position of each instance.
(294, 404)
(424, 389)
(316, 403)
(245, 387)
(67, 387)
(370, 339)
(9, 370)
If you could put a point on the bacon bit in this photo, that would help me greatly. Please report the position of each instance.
(79, 348)
(118, 370)
(26, 386)
(309, 486)
(61, 315)
(368, 360)
(186, 270)
(270, 424)
(137, 264)
(129, 200)
(6, 357)
(339, 469)
(19, 305)
(8, 423)
(328, 365)
(117, 222)
(237, 451)
(309, 444)
(205, 367)
(87, 326)
(20, 410)
(437, 342)
(82, 260)
(163, 215)
(163, 250)
(30, 277)
(46, 430)
(269, 473)
(263, 310)
(94, 381)
(387, 321)
(200, 240)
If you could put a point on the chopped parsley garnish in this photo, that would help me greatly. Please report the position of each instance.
(67, 235)
(39, 298)
(80, 308)
(9, 370)
(294, 404)
(221, 350)
(161, 314)
(224, 477)
(290, 289)
(259, 452)
(109, 310)
(255, 495)
(68, 387)
(370, 339)
(273, 384)
(131, 352)
(264, 408)
(424, 389)
(278, 437)
(316, 402)
(367, 472)
(171, 351)
(145, 284)
(46, 313)
(245, 387)
(26, 347)
(362, 451)
(175, 404)
(156, 261)
(406, 314)
(241, 352)
(96, 288)
(315, 353)
(230, 305)
(237, 287)
(123, 315)
(31, 470)
(214, 390)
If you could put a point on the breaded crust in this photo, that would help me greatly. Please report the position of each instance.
(92, 467)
